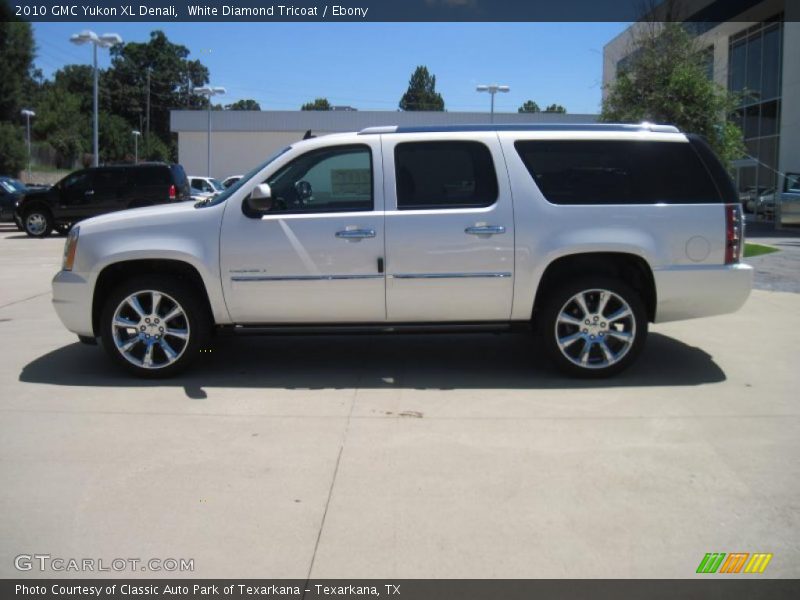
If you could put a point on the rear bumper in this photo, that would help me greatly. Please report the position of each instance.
(72, 300)
(689, 292)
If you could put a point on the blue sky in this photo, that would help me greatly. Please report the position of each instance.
(367, 65)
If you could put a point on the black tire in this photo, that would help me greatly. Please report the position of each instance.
(607, 335)
(37, 222)
(196, 323)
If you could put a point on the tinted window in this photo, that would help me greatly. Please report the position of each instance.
(444, 175)
(618, 172)
(179, 176)
(151, 176)
(338, 178)
(104, 180)
(78, 180)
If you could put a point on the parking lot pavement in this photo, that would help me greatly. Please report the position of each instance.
(780, 271)
(405, 456)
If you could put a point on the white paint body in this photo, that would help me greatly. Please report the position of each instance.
(292, 268)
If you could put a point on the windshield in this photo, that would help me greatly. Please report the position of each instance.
(216, 184)
(245, 178)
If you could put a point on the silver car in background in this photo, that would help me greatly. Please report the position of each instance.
(790, 200)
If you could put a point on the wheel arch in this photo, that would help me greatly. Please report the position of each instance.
(115, 273)
(630, 268)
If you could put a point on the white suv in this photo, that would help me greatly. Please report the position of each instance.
(586, 233)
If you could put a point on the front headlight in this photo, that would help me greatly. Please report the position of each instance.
(70, 248)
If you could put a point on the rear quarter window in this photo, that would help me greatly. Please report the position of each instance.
(618, 172)
(179, 175)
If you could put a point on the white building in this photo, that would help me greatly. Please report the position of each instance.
(753, 45)
(240, 140)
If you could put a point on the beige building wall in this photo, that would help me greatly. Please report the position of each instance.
(232, 152)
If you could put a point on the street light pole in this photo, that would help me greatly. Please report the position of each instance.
(493, 89)
(208, 92)
(27, 113)
(104, 41)
(136, 133)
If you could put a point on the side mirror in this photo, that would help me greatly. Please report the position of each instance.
(260, 200)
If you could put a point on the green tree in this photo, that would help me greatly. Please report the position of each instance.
(116, 139)
(317, 104)
(152, 148)
(172, 78)
(665, 82)
(555, 108)
(63, 122)
(16, 59)
(529, 107)
(421, 93)
(248, 104)
(13, 153)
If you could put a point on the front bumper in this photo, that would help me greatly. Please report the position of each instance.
(72, 300)
(689, 292)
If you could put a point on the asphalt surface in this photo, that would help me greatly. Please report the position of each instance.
(407, 456)
(779, 271)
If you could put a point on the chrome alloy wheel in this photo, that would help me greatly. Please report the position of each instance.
(150, 329)
(36, 223)
(595, 329)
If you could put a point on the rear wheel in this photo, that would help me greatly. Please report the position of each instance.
(37, 222)
(154, 326)
(594, 327)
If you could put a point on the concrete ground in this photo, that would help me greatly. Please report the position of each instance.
(408, 456)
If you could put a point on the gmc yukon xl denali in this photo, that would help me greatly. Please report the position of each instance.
(584, 233)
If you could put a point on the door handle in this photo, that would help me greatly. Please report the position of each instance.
(355, 234)
(88, 193)
(485, 230)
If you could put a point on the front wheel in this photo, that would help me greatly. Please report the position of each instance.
(37, 222)
(154, 326)
(594, 327)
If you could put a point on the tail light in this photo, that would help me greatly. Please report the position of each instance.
(734, 233)
(173, 192)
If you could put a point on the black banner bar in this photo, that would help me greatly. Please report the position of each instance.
(709, 11)
(734, 588)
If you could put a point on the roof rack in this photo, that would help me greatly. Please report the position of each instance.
(525, 127)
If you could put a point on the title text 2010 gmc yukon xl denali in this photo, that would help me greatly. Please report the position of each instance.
(586, 232)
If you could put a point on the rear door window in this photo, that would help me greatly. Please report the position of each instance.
(618, 172)
(433, 175)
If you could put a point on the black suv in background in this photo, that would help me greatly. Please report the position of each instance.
(99, 190)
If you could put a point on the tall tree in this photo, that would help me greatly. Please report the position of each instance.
(665, 82)
(16, 59)
(13, 155)
(247, 104)
(529, 107)
(555, 108)
(317, 104)
(63, 122)
(421, 93)
(172, 77)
